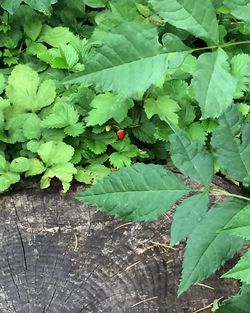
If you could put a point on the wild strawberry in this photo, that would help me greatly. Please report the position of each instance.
(120, 134)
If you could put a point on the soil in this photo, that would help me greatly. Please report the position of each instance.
(58, 255)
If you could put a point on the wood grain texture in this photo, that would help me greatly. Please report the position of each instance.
(58, 255)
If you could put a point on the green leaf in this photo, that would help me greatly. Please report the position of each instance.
(237, 304)
(207, 249)
(54, 152)
(43, 6)
(241, 270)
(36, 167)
(31, 127)
(74, 130)
(126, 49)
(92, 173)
(191, 16)
(19, 165)
(164, 107)
(63, 171)
(24, 92)
(56, 36)
(240, 224)
(7, 179)
(70, 55)
(64, 115)
(187, 215)
(33, 28)
(107, 106)
(232, 153)
(191, 158)
(3, 164)
(213, 85)
(2, 83)
(240, 9)
(240, 68)
(139, 193)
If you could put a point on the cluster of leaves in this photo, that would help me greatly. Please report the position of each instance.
(173, 76)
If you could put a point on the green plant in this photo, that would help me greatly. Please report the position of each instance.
(173, 77)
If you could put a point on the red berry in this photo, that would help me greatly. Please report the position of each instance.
(120, 134)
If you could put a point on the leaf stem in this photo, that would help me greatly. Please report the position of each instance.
(219, 192)
(225, 45)
(228, 194)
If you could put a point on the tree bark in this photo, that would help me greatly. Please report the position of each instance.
(58, 255)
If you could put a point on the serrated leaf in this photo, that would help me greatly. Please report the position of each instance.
(241, 270)
(240, 224)
(139, 193)
(237, 304)
(31, 127)
(7, 179)
(232, 153)
(36, 167)
(74, 130)
(126, 49)
(19, 165)
(187, 215)
(24, 92)
(63, 116)
(2, 83)
(164, 107)
(3, 164)
(43, 6)
(207, 249)
(92, 173)
(32, 28)
(240, 9)
(213, 85)
(54, 152)
(56, 36)
(108, 106)
(70, 55)
(63, 171)
(240, 69)
(191, 158)
(191, 16)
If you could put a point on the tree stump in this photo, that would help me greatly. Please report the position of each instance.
(58, 255)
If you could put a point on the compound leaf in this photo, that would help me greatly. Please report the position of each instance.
(137, 193)
(207, 249)
(54, 152)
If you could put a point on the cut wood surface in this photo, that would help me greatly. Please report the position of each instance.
(58, 255)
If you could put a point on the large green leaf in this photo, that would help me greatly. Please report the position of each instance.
(237, 304)
(191, 16)
(232, 153)
(207, 249)
(241, 270)
(107, 106)
(41, 5)
(213, 85)
(240, 224)
(138, 193)
(191, 158)
(240, 9)
(129, 60)
(187, 215)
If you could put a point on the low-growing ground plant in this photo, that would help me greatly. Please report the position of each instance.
(111, 91)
